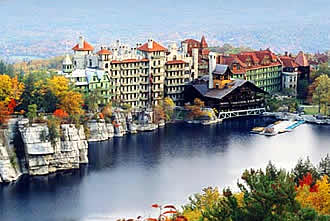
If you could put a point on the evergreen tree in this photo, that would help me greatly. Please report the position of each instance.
(268, 196)
(302, 168)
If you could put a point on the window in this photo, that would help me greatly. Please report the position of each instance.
(106, 65)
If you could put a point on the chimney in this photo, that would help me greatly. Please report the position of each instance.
(212, 65)
(150, 44)
(81, 42)
(185, 47)
(221, 61)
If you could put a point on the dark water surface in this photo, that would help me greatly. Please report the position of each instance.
(126, 175)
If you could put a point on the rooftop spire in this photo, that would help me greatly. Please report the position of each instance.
(203, 42)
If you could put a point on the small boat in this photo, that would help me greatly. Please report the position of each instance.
(270, 131)
(257, 130)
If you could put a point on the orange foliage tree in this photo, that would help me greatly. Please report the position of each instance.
(71, 102)
(59, 113)
(159, 114)
(316, 198)
(196, 109)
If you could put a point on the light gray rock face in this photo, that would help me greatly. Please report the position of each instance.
(44, 157)
(8, 171)
(98, 130)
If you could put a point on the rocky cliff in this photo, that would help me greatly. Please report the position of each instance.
(99, 130)
(44, 156)
(9, 168)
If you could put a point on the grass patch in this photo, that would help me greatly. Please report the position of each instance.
(312, 110)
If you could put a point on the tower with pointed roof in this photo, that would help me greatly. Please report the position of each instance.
(82, 53)
(67, 65)
(203, 43)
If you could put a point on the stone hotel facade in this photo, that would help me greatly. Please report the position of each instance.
(141, 76)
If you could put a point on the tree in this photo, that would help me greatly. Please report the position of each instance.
(289, 92)
(37, 92)
(58, 85)
(71, 102)
(7, 69)
(92, 100)
(59, 113)
(196, 109)
(168, 105)
(6, 111)
(302, 168)
(159, 114)
(318, 200)
(107, 112)
(32, 112)
(268, 195)
(199, 202)
(10, 88)
(324, 166)
(321, 95)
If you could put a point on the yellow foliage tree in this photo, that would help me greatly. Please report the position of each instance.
(319, 200)
(168, 107)
(72, 102)
(193, 211)
(10, 88)
(58, 85)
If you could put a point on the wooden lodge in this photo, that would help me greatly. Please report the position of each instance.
(224, 93)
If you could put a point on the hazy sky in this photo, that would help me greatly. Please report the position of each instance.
(102, 19)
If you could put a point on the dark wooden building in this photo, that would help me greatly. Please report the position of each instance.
(225, 94)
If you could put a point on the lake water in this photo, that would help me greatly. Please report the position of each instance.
(126, 175)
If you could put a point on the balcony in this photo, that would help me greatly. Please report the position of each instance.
(157, 89)
(179, 76)
(174, 92)
(170, 68)
(157, 56)
(135, 91)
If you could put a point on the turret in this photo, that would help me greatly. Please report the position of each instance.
(203, 43)
(67, 66)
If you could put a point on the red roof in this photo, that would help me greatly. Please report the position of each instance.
(191, 41)
(203, 43)
(301, 59)
(176, 62)
(288, 62)
(104, 51)
(87, 47)
(249, 60)
(155, 47)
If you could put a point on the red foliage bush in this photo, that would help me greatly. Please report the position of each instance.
(101, 116)
(60, 113)
(6, 110)
(308, 180)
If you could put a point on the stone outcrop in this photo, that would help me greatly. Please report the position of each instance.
(64, 153)
(9, 168)
(122, 124)
(99, 130)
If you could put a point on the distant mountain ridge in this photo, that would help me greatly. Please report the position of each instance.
(44, 29)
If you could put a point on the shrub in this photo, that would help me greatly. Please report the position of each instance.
(59, 113)
(32, 112)
(53, 130)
